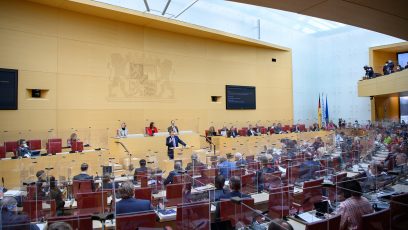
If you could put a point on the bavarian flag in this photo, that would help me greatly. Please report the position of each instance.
(319, 114)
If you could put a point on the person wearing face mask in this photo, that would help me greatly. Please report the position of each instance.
(23, 150)
(123, 131)
(10, 219)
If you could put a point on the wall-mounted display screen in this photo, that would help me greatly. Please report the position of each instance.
(404, 108)
(240, 97)
(8, 89)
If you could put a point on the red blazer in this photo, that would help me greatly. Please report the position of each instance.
(150, 131)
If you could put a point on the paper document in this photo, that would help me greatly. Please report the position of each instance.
(309, 218)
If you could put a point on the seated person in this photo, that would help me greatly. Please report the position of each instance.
(9, 217)
(354, 207)
(232, 132)
(151, 130)
(317, 143)
(251, 131)
(83, 175)
(278, 129)
(339, 137)
(235, 186)
(211, 132)
(142, 167)
(195, 163)
(107, 183)
(224, 131)
(295, 129)
(142, 170)
(22, 149)
(308, 168)
(219, 183)
(400, 158)
(290, 148)
(122, 131)
(173, 127)
(224, 167)
(56, 194)
(377, 177)
(239, 160)
(264, 169)
(387, 138)
(279, 224)
(176, 171)
(73, 138)
(41, 184)
(128, 204)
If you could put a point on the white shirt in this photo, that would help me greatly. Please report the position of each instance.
(122, 133)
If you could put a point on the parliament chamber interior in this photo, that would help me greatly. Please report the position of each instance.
(241, 114)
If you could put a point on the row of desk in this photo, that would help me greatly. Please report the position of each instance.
(260, 201)
(65, 165)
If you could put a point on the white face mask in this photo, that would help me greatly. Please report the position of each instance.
(25, 145)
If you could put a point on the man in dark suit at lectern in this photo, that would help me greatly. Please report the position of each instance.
(172, 142)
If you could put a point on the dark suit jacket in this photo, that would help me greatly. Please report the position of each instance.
(169, 179)
(197, 165)
(249, 133)
(169, 129)
(232, 133)
(141, 169)
(132, 205)
(83, 176)
(169, 143)
(12, 221)
(259, 176)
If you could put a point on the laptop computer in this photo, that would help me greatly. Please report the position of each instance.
(35, 153)
(322, 208)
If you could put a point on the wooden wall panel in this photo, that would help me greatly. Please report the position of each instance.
(100, 72)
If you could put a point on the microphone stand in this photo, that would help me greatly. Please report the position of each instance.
(129, 155)
(210, 142)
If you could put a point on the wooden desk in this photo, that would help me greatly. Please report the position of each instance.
(296, 224)
(152, 149)
(255, 144)
(65, 165)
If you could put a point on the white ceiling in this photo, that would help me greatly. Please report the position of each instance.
(200, 11)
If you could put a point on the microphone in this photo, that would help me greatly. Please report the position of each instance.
(2, 181)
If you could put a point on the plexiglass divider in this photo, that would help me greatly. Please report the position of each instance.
(295, 176)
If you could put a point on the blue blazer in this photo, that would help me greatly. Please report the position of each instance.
(132, 205)
(178, 141)
(225, 168)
